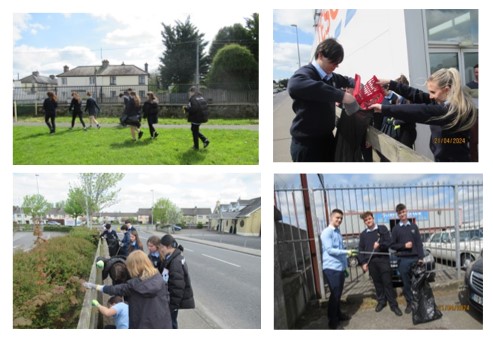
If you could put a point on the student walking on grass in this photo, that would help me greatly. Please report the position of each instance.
(92, 108)
(150, 110)
(197, 114)
(76, 109)
(50, 105)
(133, 116)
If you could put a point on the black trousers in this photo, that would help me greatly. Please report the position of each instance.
(313, 150)
(335, 279)
(48, 119)
(196, 135)
(152, 130)
(74, 116)
(381, 274)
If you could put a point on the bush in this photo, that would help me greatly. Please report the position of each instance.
(46, 281)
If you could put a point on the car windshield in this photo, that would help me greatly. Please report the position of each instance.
(468, 235)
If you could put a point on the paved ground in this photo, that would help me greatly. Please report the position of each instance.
(253, 127)
(361, 308)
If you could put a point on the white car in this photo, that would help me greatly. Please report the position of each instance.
(442, 245)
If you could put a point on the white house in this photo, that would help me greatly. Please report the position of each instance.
(105, 82)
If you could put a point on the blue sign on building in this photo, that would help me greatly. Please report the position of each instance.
(385, 217)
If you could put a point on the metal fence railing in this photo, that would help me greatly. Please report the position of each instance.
(440, 211)
(110, 94)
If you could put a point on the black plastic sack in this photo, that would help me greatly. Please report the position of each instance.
(423, 304)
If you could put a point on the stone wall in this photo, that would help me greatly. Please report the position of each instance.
(226, 111)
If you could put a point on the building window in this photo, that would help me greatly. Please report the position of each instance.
(142, 93)
(92, 80)
(242, 223)
(142, 80)
(452, 25)
(113, 80)
(64, 80)
(113, 93)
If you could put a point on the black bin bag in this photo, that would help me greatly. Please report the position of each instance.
(423, 304)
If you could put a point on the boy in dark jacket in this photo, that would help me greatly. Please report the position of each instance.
(197, 114)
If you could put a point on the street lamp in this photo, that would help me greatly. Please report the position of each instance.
(37, 185)
(152, 209)
(297, 44)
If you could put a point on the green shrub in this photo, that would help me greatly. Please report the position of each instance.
(46, 281)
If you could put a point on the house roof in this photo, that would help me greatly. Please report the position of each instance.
(39, 79)
(195, 211)
(109, 70)
(251, 207)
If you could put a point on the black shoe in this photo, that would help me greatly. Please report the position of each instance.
(155, 135)
(206, 143)
(380, 307)
(344, 317)
(408, 309)
(99, 127)
(396, 310)
(140, 134)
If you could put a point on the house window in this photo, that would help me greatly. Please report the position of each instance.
(113, 80)
(113, 93)
(142, 79)
(64, 80)
(142, 93)
(92, 80)
(242, 223)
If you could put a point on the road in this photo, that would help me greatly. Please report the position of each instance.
(283, 116)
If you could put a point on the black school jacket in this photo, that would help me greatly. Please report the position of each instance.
(179, 285)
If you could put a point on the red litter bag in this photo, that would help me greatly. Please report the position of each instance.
(369, 94)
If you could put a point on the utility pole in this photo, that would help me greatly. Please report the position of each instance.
(197, 79)
(298, 45)
(152, 209)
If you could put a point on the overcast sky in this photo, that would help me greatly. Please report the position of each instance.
(46, 42)
(184, 189)
(285, 46)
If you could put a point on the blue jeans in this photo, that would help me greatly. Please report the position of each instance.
(405, 265)
(336, 284)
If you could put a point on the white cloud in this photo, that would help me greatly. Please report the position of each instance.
(285, 58)
(303, 18)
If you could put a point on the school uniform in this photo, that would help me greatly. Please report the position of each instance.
(378, 264)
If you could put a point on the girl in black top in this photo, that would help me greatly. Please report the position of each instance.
(447, 108)
(76, 108)
(50, 105)
(151, 109)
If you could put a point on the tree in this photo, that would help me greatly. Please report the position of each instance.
(179, 61)
(245, 36)
(228, 35)
(98, 191)
(166, 212)
(76, 202)
(252, 27)
(35, 205)
(233, 67)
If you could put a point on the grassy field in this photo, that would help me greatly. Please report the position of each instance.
(33, 145)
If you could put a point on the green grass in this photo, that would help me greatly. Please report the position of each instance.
(112, 145)
(163, 121)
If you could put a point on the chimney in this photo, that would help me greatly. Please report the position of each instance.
(52, 77)
(146, 67)
(106, 63)
(65, 69)
(36, 73)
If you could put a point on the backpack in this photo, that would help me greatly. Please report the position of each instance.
(199, 105)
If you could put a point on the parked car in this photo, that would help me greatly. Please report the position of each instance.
(473, 281)
(442, 245)
(176, 227)
(429, 260)
(52, 223)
